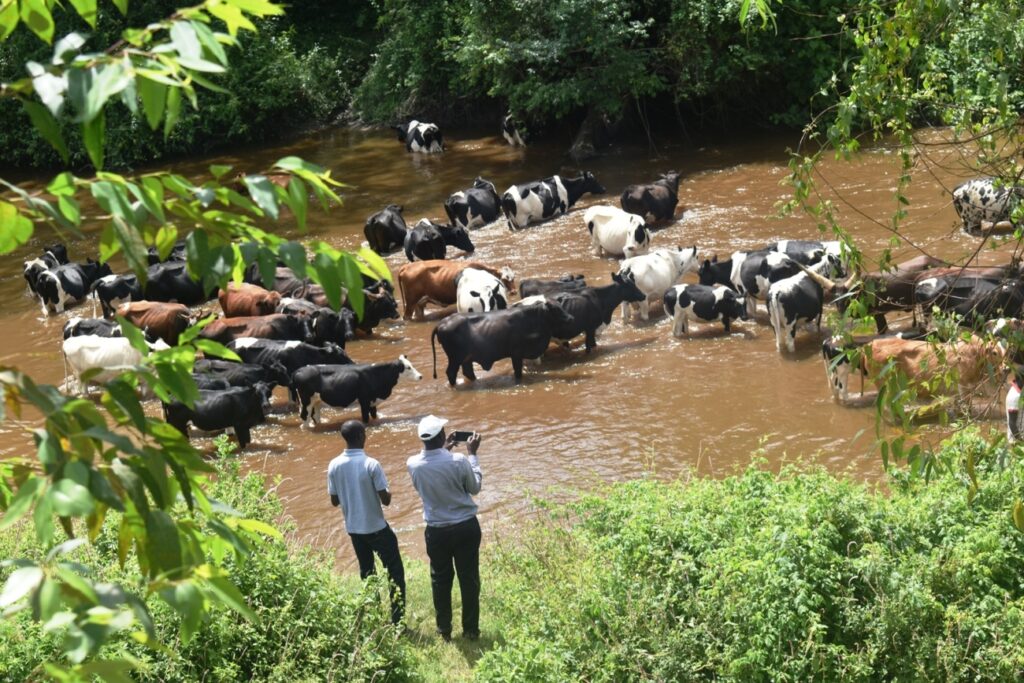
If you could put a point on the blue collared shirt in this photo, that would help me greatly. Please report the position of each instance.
(446, 483)
(355, 478)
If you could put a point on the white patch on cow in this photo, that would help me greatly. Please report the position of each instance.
(245, 342)
(108, 279)
(408, 371)
(531, 300)
(613, 231)
(474, 289)
(654, 273)
(291, 344)
(110, 355)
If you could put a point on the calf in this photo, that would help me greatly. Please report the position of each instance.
(428, 240)
(68, 283)
(113, 290)
(236, 409)
(542, 200)
(616, 232)
(433, 281)
(566, 283)
(107, 357)
(477, 291)
(654, 273)
(659, 199)
(510, 131)
(475, 207)
(278, 326)
(591, 309)
(171, 282)
(385, 230)
(342, 385)
(981, 205)
(53, 256)
(420, 137)
(483, 338)
(705, 303)
(245, 299)
(799, 298)
(160, 319)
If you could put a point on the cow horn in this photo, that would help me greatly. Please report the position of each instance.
(825, 283)
(372, 295)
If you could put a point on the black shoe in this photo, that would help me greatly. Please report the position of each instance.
(446, 636)
(471, 635)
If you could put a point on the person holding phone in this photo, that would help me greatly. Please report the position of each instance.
(446, 483)
(357, 483)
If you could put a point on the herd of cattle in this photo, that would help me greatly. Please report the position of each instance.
(286, 335)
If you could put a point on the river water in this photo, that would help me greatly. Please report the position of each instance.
(642, 403)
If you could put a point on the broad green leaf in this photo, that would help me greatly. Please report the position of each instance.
(67, 48)
(70, 210)
(109, 670)
(294, 256)
(210, 42)
(9, 19)
(299, 201)
(1018, 515)
(353, 282)
(293, 163)
(260, 527)
(109, 244)
(377, 267)
(329, 275)
(121, 5)
(163, 546)
(67, 574)
(70, 499)
(43, 121)
(47, 600)
(42, 518)
(132, 245)
(154, 98)
(15, 229)
(260, 8)
(36, 15)
(165, 239)
(63, 185)
(93, 133)
(173, 110)
(212, 348)
(219, 170)
(49, 87)
(153, 197)
(63, 548)
(22, 501)
(229, 595)
(48, 449)
(262, 192)
(87, 10)
(185, 40)
(19, 584)
(193, 331)
(232, 17)
(134, 335)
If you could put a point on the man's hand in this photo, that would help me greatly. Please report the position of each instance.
(473, 444)
(449, 442)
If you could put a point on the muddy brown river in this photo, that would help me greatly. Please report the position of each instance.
(643, 402)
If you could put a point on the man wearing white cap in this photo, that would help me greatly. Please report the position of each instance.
(446, 483)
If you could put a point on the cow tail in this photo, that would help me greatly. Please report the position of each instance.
(433, 350)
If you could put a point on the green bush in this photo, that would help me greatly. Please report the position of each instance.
(313, 626)
(761, 577)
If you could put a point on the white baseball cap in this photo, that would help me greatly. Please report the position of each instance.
(430, 426)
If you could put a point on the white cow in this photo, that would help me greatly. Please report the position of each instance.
(478, 291)
(110, 355)
(617, 233)
(654, 273)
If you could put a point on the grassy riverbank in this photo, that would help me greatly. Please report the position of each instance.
(793, 576)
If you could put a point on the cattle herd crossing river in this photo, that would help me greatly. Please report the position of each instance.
(643, 401)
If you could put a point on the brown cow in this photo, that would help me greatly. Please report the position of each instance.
(247, 300)
(433, 281)
(281, 326)
(164, 320)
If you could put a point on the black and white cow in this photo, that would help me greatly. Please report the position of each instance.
(510, 130)
(420, 137)
(78, 327)
(800, 297)
(542, 200)
(809, 252)
(616, 232)
(475, 207)
(981, 205)
(291, 354)
(713, 303)
(113, 290)
(53, 256)
(67, 284)
(428, 240)
(754, 271)
(659, 199)
(477, 291)
(385, 230)
(236, 409)
(171, 281)
(654, 273)
(342, 385)
(566, 283)
(517, 333)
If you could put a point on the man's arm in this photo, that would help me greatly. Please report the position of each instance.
(385, 496)
(474, 478)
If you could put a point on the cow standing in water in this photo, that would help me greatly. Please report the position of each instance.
(510, 131)
(420, 137)
(475, 207)
(983, 207)
(543, 200)
(659, 199)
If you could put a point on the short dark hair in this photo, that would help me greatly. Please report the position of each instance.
(353, 431)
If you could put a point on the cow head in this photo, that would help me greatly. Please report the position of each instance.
(480, 184)
(278, 373)
(379, 305)
(33, 269)
(705, 274)
(58, 252)
(498, 298)
(508, 278)
(630, 292)
(591, 185)
(837, 367)
(739, 308)
(265, 391)
(456, 236)
(638, 239)
(685, 260)
(408, 371)
(94, 270)
(671, 180)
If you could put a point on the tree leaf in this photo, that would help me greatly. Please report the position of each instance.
(15, 229)
(122, 6)
(353, 282)
(36, 15)
(299, 201)
(22, 501)
(212, 348)
(70, 499)
(262, 192)
(43, 121)
(9, 20)
(164, 545)
(93, 133)
(230, 596)
(87, 10)
(154, 98)
(376, 266)
(19, 584)
(173, 110)
(1018, 514)
(294, 256)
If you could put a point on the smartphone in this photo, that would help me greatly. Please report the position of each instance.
(461, 436)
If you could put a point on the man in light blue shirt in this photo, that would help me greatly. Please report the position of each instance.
(446, 483)
(357, 482)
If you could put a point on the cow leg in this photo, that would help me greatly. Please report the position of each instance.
(882, 324)
(645, 310)
(244, 437)
(517, 368)
(591, 340)
(791, 338)
(467, 371)
(625, 311)
(726, 323)
(452, 372)
(365, 410)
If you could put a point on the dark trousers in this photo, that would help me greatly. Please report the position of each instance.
(385, 544)
(455, 549)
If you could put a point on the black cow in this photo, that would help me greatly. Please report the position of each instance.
(420, 137)
(658, 198)
(326, 324)
(53, 256)
(80, 327)
(237, 408)
(591, 309)
(113, 290)
(428, 240)
(971, 298)
(171, 282)
(475, 207)
(68, 283)
(710, 303)
(714, 272)
(177, 254)
(264, 378)
(281, 326)
(483, 338)
(378, 304)
(536, 286)
(342, 385)
(541, 200)
(385, 230)
(510, 130)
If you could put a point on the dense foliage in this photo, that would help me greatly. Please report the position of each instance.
(761, 577)
(311, 625)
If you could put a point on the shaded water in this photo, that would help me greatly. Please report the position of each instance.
(643, 401)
